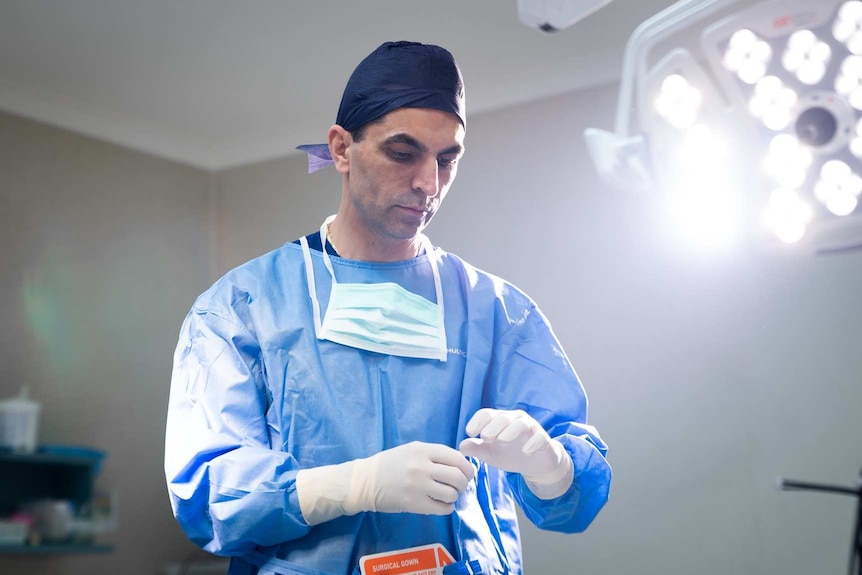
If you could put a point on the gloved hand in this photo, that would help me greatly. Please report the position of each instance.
(513, 441)
(423, 478)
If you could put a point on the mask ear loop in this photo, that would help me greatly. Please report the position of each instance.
(309, 275)
(312, 289)
(438, 288)
(328, 263)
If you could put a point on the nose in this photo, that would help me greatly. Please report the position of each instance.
(427, 178)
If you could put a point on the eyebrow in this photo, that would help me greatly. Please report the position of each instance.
(414, 143)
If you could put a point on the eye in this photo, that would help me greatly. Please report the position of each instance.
(447, 163)
(401, 156)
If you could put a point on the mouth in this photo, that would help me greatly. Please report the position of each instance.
(415, 211)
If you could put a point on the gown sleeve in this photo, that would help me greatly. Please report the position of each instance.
(229, 489)
(530, 371)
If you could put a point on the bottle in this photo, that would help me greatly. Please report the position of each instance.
(19, 423)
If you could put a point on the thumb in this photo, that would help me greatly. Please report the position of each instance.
(474, 447)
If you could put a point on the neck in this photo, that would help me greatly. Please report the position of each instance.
(352, 243)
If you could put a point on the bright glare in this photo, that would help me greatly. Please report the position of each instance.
(747, 55)
(788, 215)
(701, 144)
(806, 56)
(751, 71)
(702, 206)
(787, 161)
(835, 171)
(772, 102)
(848, 81)
(678, 102)
(848, 26)
(838, 188)
(841, 203)
(837, 201)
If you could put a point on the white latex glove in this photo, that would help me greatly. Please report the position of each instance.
(423, 478)
(513, 441)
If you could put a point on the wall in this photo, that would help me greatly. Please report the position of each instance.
(263, 206)
(710, 372)
(102, 252)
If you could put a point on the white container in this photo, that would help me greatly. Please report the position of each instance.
(19, 423)
(12, 533)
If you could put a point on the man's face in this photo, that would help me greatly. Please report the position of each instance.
(401, 169)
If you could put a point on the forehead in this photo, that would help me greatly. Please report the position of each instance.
(433, 128)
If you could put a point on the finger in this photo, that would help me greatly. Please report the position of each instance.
(465, 467)
(431, 506)
(497, 424)
(479, 420)
(441, 492)
(537, 442)
(445, 456)
(452, 479)
(472, 447)
(515, 429)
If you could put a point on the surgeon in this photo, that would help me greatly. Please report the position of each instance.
(360, 392)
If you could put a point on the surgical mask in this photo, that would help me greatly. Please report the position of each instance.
(381, 317)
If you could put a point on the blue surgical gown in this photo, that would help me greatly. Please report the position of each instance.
(255, 397)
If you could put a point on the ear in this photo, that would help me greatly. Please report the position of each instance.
(339, 142)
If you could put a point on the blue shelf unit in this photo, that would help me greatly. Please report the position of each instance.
(26, 477)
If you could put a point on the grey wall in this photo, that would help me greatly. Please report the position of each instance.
(709, 372)
(102, 252)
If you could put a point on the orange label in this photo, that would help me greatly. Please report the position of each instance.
(425, 560)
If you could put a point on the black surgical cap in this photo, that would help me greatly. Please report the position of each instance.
(396, 75)
(401, 75)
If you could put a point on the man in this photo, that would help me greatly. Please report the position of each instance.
(360, 392)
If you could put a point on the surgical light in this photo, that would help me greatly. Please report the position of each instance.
(848, 82)
(700, 207)
(838, 187)
(773, 103)
(848, 26)
(778, 81)
(787, 161)
(806, 56)
(747, 55)
(678, 101)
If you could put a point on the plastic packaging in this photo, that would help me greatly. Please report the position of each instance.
(19, 423)
(463, 568)
(62, 520)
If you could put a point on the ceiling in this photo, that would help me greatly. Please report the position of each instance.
(222, 83)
